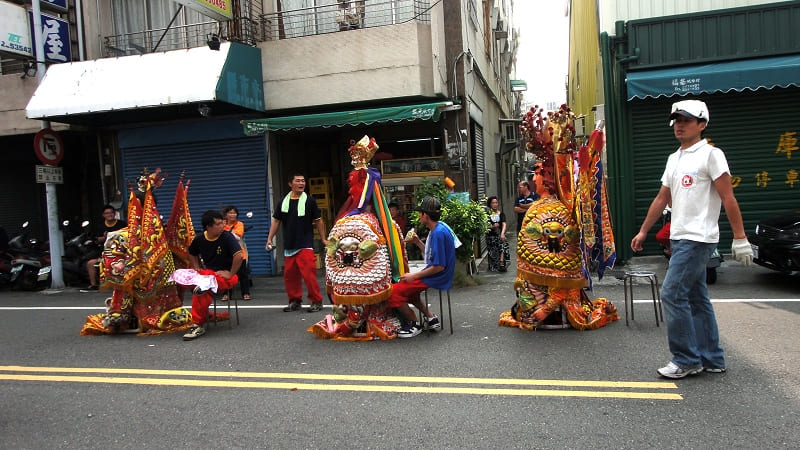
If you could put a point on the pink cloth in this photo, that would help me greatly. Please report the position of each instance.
(201, 302)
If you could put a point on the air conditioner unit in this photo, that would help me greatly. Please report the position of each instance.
(599, 112)
(580, 126)
(510, 132)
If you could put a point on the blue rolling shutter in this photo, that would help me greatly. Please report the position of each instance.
(231, 171)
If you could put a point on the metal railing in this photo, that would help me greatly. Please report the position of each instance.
(257, 27)
(346, 15)
(174, 38)
(245, 28)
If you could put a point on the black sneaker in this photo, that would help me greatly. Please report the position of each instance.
(315, 307)
(431, 323)
(90, 288)
(198, 290)
(409, 330)
(292, 306)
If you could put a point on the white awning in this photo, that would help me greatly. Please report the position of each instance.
(150, 80)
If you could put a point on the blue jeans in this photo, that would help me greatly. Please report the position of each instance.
(691, 324)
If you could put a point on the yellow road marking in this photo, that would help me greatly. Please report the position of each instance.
(353, 377)
(344, 387)
(60, 374)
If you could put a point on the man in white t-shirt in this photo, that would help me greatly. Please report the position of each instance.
(696, 182)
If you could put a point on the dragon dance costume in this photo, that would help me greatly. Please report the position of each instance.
(363, 257)
(137, 263)
(563, 232)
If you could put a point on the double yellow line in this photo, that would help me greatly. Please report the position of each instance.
(334, 382)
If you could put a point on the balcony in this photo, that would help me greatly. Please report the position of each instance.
(342, 17)
(250, 26)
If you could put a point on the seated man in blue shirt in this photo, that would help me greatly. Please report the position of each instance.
(440, 260)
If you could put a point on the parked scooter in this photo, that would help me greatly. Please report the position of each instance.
(78, 250)
(29, 262)
(662, 236)
(7, 276)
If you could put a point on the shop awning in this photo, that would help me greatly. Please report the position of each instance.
(232, 75)
(423, 111)
(766, 73)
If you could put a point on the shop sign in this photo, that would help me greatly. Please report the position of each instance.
(15, 35)
(216, 9)
(55, 32)
(427, 166)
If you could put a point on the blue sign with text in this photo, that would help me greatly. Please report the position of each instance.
(55, 32)
(60, 5)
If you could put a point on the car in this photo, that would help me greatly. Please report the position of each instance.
(776, 243)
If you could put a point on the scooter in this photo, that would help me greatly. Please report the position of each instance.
(7, 273)
(78, 250)
(662, 236)
(30, 263)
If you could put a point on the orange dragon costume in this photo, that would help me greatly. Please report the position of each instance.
(563, 232)
(137, 262)
(364, 255)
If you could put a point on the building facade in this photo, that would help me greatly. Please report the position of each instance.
(162, 84)
(740, 57)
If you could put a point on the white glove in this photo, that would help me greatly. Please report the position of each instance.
(742, 251)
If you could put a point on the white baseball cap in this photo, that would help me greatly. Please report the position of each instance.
(689, 108)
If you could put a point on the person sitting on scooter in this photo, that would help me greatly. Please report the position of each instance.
(110, 223)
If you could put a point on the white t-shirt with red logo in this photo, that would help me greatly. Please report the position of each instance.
(690, 176)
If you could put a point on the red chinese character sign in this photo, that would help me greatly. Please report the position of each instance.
(48, 146)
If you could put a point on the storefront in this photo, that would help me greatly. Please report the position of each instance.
(401, 177)
(409, 137)
(223, 166)
(179, 111)
(753, 104)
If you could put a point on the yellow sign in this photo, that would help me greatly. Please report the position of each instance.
(216, 9)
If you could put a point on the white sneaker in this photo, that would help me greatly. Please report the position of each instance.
(410, 330)
(195, 332)
(671, 370)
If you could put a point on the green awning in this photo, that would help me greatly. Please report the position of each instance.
(424, 111)
(767, 73)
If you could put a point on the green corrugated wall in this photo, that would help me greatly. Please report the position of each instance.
(747, 126)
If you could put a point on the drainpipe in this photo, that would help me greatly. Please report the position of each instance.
(620, 170)
(79, 24)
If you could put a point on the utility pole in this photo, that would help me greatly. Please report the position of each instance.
(54, 233)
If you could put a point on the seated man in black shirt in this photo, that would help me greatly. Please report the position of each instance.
(214, 252)
(110, 223)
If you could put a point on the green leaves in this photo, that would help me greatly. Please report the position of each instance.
(468, 220)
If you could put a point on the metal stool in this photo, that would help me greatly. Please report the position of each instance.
(627, 283)
(441, 311)
(236, 307)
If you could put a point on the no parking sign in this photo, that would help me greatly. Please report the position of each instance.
(48, 146)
